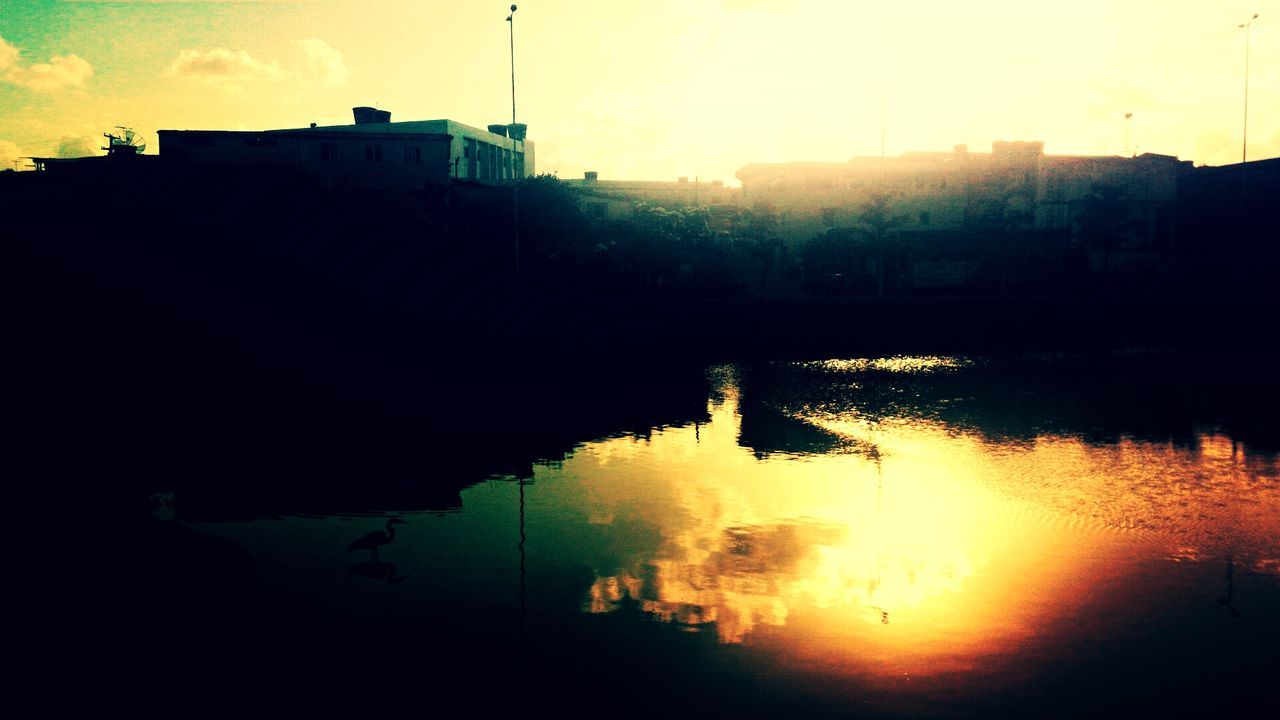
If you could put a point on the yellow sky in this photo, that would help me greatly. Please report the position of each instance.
(656, 89)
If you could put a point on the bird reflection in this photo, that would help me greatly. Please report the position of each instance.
(377, 539)
(1228, 599)
(377, 571)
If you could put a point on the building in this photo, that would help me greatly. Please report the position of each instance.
(937, 192)
(1226, 229)
(617, 199)
(372, 153)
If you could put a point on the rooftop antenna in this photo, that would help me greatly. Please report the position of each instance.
(127, 142)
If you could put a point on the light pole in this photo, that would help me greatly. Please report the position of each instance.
(1248, 37)
(1128, 117)
(515, 181)
(511, 27)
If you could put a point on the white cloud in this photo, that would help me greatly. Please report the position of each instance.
(233, 69)
(324, 62)
(221, 66)
(8, 153)
(62, 71)
(73, 146)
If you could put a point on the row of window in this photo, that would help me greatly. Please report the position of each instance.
(483, 161)
(490, 162)
(372, 153)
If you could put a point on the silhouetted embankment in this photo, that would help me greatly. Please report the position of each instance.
(265, 347)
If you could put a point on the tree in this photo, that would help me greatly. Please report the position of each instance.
(876, 221)
(993, 215)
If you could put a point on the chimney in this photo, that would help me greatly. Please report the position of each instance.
(498, 129)
(367, 115)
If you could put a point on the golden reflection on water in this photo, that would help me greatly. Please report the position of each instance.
(938, 552)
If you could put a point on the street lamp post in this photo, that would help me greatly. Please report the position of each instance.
(1248, 37)
(515, 181)
(511, 27)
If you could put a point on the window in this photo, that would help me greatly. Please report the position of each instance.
(491, 161)
(413, 155)
(373, 153)
(924, 218)
(472, 152)
(326, 151)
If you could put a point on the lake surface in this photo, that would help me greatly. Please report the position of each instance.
(900, 537)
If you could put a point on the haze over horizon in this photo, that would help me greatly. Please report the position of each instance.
(657, 89)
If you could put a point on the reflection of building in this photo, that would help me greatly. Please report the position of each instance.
(940, 191)
(372, 153)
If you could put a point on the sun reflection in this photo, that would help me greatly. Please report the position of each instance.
(931, 553)
(905, 364)
(863, 542)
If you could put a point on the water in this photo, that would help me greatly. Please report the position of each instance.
(942, 537)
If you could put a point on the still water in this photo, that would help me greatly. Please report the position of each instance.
(869, 536)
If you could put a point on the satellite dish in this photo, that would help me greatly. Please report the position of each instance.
(126, 142)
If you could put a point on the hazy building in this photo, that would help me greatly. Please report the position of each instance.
(617, 199)
(372, 153)
(936, 192)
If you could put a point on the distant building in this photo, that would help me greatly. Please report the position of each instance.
(372, 153)
(936, 192)
(616, 199)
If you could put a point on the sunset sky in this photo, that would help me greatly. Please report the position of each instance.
(657, 89)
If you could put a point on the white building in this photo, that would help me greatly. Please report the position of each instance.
(372, 153)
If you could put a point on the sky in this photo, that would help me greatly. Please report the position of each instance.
(661, 88)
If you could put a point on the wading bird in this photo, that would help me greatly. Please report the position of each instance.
(377, 538)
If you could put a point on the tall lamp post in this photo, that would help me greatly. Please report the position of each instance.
(1248, 37)
(515, 181)
(511, 27)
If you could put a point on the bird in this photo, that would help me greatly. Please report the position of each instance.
(377, 538)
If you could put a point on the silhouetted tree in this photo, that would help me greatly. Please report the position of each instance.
(762, 221)
(993, 214)
(876, 221)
